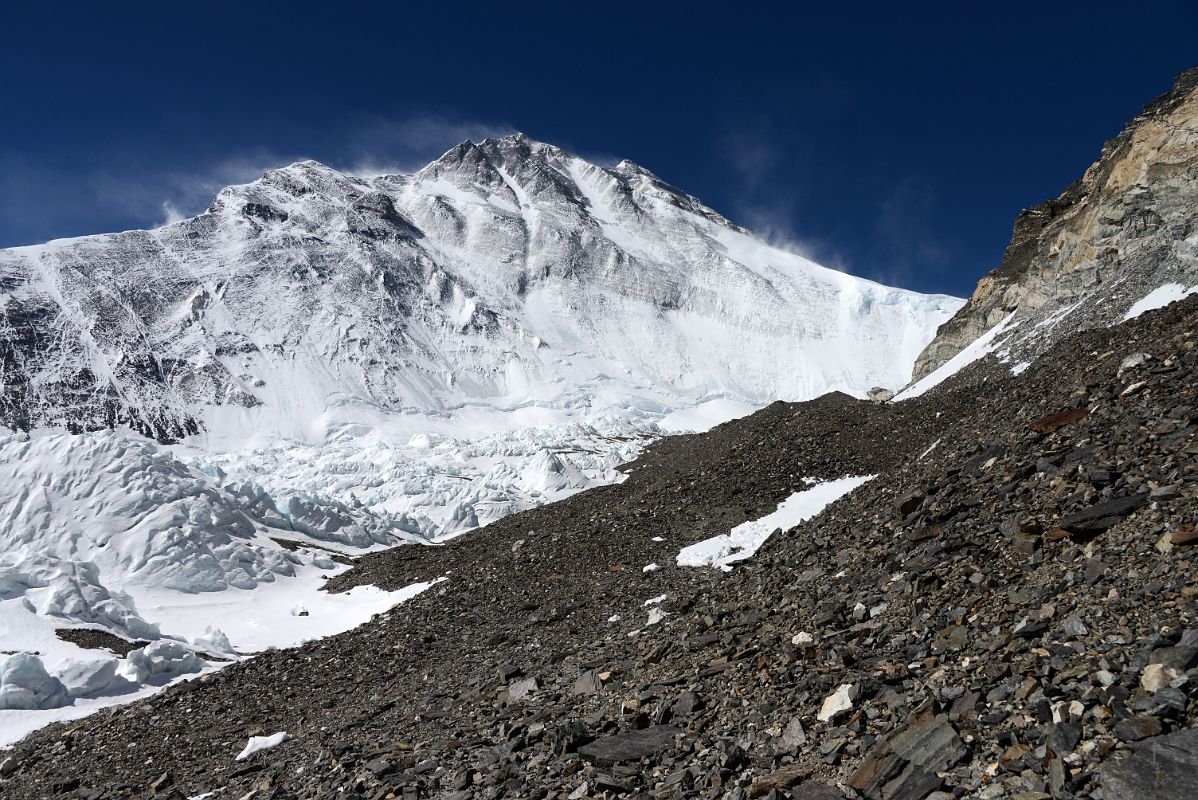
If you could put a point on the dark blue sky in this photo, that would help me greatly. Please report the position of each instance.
(896, 141)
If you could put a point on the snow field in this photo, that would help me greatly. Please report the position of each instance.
(1159, 297)
(747, 538)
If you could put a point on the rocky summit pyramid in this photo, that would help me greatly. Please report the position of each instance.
(508, 272)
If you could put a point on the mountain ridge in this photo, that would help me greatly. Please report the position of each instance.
(1123, 229)
(496, 271)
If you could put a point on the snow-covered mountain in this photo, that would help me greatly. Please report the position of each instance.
(508, 272)
(331, 364)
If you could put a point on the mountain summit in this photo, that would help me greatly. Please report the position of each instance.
(507, 272)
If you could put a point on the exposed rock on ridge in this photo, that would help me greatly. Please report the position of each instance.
(1081, 260)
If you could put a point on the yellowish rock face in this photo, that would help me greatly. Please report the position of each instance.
(1129, 226)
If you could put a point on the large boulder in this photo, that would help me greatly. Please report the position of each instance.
(1160, 768)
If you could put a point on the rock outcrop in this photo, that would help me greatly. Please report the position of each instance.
(1084, 259)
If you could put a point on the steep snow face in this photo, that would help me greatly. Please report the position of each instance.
(508, 273)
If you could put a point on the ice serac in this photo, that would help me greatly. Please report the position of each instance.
(508, 272)
(1124, 234)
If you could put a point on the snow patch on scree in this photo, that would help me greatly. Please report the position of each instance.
(257, 744)
(982, 346)
(1159, 297)
(747, 538)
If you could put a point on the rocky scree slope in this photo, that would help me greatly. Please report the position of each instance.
(508, 272)
(1007, 610)
(1125, 229)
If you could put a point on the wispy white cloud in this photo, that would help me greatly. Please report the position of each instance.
(170, 214)
(39, 201)
(602, 159)
(763, 205)
(754, 152)
(775, 226)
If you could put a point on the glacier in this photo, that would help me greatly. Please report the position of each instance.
(218, 413)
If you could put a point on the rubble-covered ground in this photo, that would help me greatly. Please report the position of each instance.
(1009, 609)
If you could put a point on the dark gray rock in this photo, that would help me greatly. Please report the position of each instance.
(908, 503)
(1167, 702)
(630, 746)
(913, 783)
(793, 737)
(1072, 626)
(1095, 569)
(1097, 518)
(814, 790)
(929, 742)
(588, 682)
(1133, 729)
(1162, 768)
(1063, 737)
(904, 766)
(1181, 657)
(780, 780)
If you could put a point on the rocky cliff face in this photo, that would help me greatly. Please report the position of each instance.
(1084, 259)
(508, 272)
